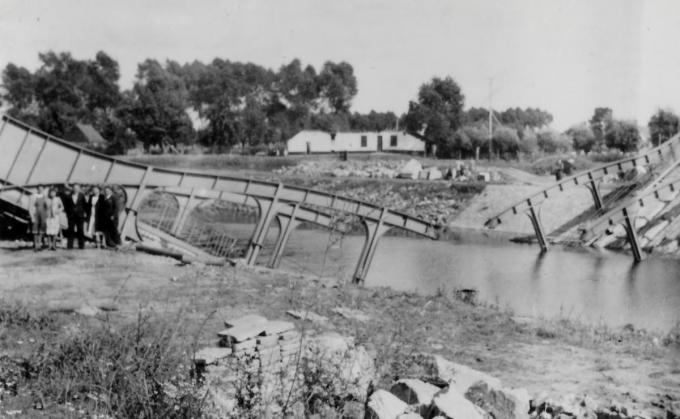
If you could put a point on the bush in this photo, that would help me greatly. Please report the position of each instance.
(138, 370)
(506, 142)
(528, 144)
(550, 141)
(606, 155)
(582, 138)
(623, 135)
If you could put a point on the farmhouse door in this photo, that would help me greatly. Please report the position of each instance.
(309, 147)
(379, 142)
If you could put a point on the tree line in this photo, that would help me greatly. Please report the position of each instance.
(439, 115)
(253, 107)
(242, 103)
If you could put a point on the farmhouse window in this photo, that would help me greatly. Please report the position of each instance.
(364, 141)
(393, 141)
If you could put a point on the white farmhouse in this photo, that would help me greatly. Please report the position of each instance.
(309, 142)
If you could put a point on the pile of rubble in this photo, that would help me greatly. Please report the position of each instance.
(445, 389)
(403, 169)
(657, 224)
(448, 390)
(265, 368)
(351, 168)
(436, 206)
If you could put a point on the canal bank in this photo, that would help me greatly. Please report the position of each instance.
(557, 356)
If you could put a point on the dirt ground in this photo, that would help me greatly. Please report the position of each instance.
(555, 356)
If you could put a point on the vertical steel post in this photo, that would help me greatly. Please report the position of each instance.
(375, 230)
(35, 163)
(595, 192)
(538, 228)
(131, 211)
(16, 156)
(73, 166)
(632, 237)
(290, 224)
(183, 214)
(257, 241)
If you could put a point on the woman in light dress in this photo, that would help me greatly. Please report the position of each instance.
(55, 211)
(93, 222)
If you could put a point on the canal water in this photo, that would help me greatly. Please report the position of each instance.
(586, 285)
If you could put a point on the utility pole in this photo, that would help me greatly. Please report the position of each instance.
(490, 118)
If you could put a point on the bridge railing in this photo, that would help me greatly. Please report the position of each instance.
(670, 148)
(29, 156)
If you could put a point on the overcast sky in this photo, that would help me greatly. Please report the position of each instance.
(564, 56)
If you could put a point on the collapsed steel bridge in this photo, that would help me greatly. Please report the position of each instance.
(29, 157)
(659, 190)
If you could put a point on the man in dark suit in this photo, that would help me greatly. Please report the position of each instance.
(75, 206)
(108, 212)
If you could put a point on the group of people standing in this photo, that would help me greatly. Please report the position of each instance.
(75, 214)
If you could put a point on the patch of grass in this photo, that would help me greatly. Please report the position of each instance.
(141, 369)
(217, 162)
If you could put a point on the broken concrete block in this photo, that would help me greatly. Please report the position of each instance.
(307, 315)
(384, 405)
(277, 326)
(414, 391)
(246, 344)
(247, 319)
(501, 403)
(451, 404)
(210, 356)
(352, 314)
(461, 377)
(241, 332)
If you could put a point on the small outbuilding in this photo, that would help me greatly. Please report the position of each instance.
(86, 134)
(316, 142)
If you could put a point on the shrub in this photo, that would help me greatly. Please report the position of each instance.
(528, 144)
(550, 141)
(582, 137)
(623, 135)
(506, 142)
(139, 370)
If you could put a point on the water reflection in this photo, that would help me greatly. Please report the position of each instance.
(586, 285)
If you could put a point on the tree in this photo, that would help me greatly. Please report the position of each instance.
(505, 142)
(337, 85)
(601, 122)
(550, 141)
(330, 122)
(623, 135)
(477, 115)
(64, 91)
(19, 85)
(373, 121)
(155, 108)
(228, 94)
(528, 143)
(438, 113)
(662, 126)
(526, 118)
(582, 137)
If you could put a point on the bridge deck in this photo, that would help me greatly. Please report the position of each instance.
(30, 156)
(670, 150)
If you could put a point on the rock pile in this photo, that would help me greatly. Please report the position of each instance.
(381, 169)
(445, 389)
(266, 368)
(352, 168)
(251, 352)
(658, 227)
(448, 390)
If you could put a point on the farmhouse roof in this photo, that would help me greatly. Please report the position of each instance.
(91, 134)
